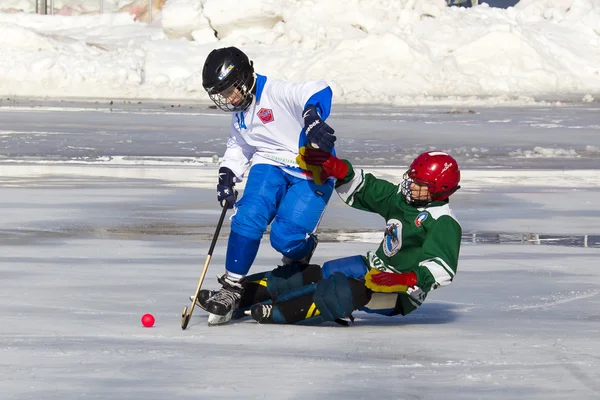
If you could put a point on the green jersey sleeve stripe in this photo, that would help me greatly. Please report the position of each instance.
(440, 273)
(413, 295)
(347, 190)
(439, 263)
(443, 263)
(414, 302)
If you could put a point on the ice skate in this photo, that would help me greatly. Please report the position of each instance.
(262, 313)
(222, 304)
(203, 297)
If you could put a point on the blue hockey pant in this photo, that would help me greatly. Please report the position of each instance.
(291, 205)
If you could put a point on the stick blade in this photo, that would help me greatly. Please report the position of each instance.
(185, 318)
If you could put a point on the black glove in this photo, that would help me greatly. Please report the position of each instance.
(319, 134)
(225, 190)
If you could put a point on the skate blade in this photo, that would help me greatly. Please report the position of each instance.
(214, 319)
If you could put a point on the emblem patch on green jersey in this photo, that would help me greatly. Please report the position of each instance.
(392, 241)
(420, 218)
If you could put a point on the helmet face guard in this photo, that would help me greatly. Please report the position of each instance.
(228, 78)
(437, 172)
(236, 97)
(419, 194)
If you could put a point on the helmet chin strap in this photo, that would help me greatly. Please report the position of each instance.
(447, 193)
(419, 203)
(248, 93)
(253, 83)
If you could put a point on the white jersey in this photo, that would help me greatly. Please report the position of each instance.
(271, 130)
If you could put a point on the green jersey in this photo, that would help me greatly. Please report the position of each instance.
(423, 240)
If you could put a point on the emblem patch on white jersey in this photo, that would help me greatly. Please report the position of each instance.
(392, 240)
(265, 115)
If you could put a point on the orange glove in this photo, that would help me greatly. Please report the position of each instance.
(389, 282)
(321, 163)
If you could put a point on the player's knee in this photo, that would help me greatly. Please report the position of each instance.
(286, 238)
(338, 295)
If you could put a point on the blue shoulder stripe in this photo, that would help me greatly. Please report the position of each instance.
(321, 100)
(260, 85)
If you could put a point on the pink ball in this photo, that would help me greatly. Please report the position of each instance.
(148, 320)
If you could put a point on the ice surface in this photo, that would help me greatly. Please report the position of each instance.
(107, 215)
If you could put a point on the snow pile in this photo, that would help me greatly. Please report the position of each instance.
(371, 51)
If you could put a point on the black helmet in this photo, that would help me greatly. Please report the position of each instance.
(226, 70)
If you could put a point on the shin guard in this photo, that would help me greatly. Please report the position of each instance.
(328, 300)
(263, 287)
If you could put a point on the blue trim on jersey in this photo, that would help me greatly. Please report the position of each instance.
(260, 85)
(240, 120)
(302, 139)
(321, 100)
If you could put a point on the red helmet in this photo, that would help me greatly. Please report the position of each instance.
(435, 169)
